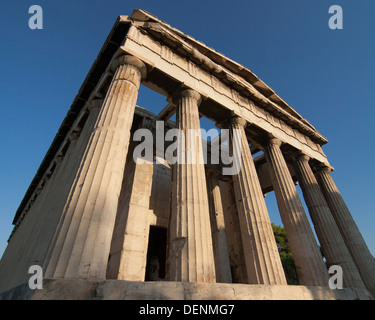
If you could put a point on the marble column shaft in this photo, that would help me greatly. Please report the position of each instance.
(132, 224)
(329, 236)
(233, 233)
(222, 264)
(93, 199)
(55, 206)
(308, 259)
(349, 230)
(261, 255)
(190, 244)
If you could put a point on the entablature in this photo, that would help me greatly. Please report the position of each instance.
(223, 91)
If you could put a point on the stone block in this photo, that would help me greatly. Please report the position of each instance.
(78, 289)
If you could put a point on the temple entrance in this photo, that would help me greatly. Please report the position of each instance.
(156, 254)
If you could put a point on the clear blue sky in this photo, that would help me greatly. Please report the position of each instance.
(326, 75)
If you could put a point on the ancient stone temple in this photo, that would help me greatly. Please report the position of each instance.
(100, 224)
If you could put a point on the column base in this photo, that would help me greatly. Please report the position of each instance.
(77, 289)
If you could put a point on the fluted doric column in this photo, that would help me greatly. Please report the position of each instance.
(349, 231)
(329, 236)
(190, 244)
(309, 262)
(56, 208)
(128, 256)
(262, 258)
(219, 239)
(91, 208)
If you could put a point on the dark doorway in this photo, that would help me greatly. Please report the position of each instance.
(156, 254)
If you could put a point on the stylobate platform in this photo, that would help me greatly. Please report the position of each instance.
(76, 289)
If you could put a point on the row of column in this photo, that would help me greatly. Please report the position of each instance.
(80, 247)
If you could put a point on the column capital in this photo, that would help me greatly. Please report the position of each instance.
(148, 123)
(324, 169)
(133, 61)
(186, 93)
(302, 157)
(273, 141)
(239, 121)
